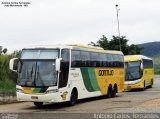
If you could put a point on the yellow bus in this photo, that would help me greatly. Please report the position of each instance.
(66, 73)
(139, 72)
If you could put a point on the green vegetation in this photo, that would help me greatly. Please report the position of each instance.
(156, 62)
(157, 71)
(151, 49)
(7, 77)
(7, 86)
(114, 44)
(4, 51)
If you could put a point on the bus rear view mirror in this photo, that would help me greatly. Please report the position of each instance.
(141, 66)
(58, 64)
(12, 63)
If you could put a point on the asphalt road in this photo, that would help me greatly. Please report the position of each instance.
(147, 101)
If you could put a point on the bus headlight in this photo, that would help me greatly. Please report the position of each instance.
(52, 91)
(19, 90)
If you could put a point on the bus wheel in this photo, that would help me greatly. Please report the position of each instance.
(109, 94)
(151, 84)
(114, 91)
(38, 104)
(144, 86)
(73, 97)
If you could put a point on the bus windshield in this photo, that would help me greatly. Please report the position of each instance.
(38, 72)
(133, 70)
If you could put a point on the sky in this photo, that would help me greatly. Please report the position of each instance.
(46, 22)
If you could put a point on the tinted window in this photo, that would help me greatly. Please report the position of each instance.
(115, 57)
(121, 60)
(64, 68)
(65, 55)
(109, 57)
(115, 61)
(76, 59)
(85, 57)
(110, 60)
(103, 60)
(95, 60)
(147, 63)
(118, 61)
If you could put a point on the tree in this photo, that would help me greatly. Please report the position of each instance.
(103, 42)
(16, 53)
(113, 44)
(5, 50)
(134, 49)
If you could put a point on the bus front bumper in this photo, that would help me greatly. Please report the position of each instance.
(128, 87)
(48, 98)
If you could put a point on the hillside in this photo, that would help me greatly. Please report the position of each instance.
(151, 49)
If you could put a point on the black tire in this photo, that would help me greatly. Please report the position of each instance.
(38, 104)
(73, 98)
(109, 94)
(144, 86)
(151, 84)
(114, 91)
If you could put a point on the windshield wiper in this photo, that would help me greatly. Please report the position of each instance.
(32, 71)
(21, 64)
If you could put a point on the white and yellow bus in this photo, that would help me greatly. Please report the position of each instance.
(139, 72)
(66, 73)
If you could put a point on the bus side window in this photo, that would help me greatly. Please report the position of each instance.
(75, 61)
(114, 61)
(85, 57)
(103, 60)
(65, 58)
(110, 60)
(121, 60)
(95, 60)
(118, 60)
(147, 63)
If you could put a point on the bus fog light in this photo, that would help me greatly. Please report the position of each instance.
(19, 90)
(52, 91)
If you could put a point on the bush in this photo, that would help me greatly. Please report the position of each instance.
(157, 71)
(7, 86)
(7, 77)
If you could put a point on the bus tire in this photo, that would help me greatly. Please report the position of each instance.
(144, 86)
(38, 104)
(151, 84)
(73, 97)
(114, 91)
(109, 93)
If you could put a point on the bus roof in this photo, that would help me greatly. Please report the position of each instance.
(77, 47)
(94, 49)
(128, 58)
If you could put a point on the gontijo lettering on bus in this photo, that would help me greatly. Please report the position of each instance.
(106, 72)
